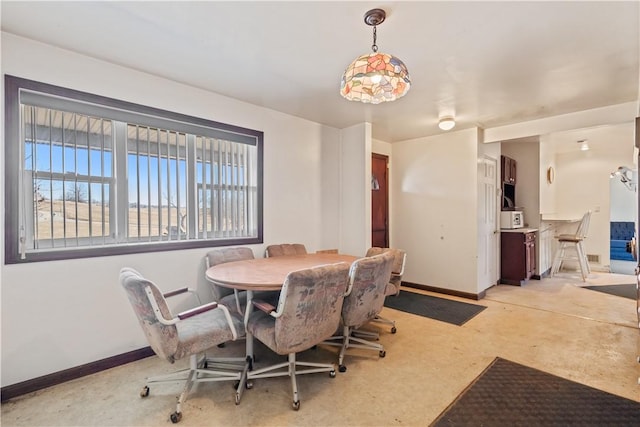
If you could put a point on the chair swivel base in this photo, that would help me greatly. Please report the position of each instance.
(348, 340)
(200, 370)
(290, 368)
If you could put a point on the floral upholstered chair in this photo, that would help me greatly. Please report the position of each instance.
(308, 312)
(285, 249)
(232, 298)
(393, 288)
(187, 334)
(368, 280)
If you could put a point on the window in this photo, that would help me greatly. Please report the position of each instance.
(93, 176)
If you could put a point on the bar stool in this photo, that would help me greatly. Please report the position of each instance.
(573, 241)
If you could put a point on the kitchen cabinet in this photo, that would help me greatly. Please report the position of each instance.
(508, 169)
(518, 256)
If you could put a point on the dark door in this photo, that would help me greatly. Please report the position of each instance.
(379, 200)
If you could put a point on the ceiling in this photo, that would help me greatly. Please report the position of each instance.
(487, 63)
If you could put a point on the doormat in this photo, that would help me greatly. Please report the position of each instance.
(510, 394)
(625, 291)
(445, 310)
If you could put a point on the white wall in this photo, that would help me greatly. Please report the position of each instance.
(57, 315)
(547, 189)
(435, 198)
(583, 184)
(355, 234)
(624, 202)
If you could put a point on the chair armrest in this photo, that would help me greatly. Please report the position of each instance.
(176, 292)
(182, 291)
(263, 306)
(192, 312)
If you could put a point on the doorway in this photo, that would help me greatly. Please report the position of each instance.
(489, 202)
(379, 200)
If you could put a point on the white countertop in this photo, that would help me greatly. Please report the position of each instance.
(518, 230)
(559, 218)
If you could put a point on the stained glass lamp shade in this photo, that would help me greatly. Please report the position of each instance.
(375, 77)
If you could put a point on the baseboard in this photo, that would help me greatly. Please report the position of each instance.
(35, 384)
(445, 291)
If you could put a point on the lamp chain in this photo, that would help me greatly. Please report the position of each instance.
(374, 46)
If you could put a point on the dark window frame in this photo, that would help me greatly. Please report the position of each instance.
(14, 85)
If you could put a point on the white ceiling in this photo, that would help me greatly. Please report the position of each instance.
(488, 63)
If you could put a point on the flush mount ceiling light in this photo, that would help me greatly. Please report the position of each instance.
(584, 144)
(446, 123)
(375, 77)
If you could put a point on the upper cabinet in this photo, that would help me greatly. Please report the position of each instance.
(508, 167)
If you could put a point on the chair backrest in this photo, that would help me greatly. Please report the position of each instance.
(583, 228)
(221, 256)
(310, 303)
(399, 261)
(399, 258)
(368, 280)
(163, 339)
(285, 249)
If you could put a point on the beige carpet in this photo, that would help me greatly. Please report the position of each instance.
(552, 325)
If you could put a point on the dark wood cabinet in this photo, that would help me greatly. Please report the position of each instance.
(518, 250)
(508, 169)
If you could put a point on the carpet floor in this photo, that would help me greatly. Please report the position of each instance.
(443, 309)
(510, 394)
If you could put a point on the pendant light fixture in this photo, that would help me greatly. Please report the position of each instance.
(375, 77)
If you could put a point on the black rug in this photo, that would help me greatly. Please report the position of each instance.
(626, 291)
(442, 309)
(510, 394)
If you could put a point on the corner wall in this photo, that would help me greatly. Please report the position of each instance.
(62, 314)
(435, 209)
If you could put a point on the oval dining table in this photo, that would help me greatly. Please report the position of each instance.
(266, 274)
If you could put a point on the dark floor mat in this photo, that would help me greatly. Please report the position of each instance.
(510, 394)
(626, 291)
(446, 310)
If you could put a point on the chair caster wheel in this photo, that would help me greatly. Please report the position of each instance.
(332, 373)
(296, 405)
(342, 368)
(248, 385)
(145, 391)
(237, 399)
(176, 417)
(221, 345)
(382, 353)
(394, 330)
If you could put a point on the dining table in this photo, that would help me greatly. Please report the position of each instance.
(265, 274)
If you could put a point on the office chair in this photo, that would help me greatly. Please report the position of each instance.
(575, 242)
(285, 249)
(368, 279)
(393, 288)
(231, 298)
(188, 334)
(308, 312)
